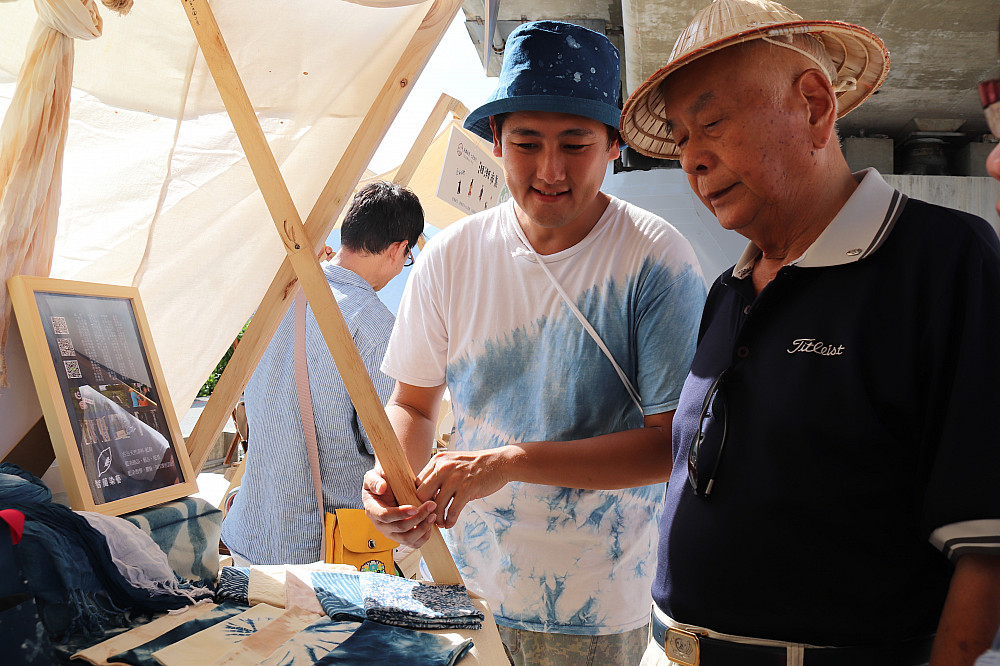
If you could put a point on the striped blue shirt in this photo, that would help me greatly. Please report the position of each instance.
(274, 518)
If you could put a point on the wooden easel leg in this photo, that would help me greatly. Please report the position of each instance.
(302, 256)
(318, 225)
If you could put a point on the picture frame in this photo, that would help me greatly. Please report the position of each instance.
(114, 432)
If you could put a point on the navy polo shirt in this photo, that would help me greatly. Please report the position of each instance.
(862, 408)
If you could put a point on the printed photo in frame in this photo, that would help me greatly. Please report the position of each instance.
(113, 428)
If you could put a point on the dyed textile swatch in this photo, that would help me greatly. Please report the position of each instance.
(188, 531)
(138, 635)
(409, 603)
(339, 594)
(312, 643)
(207, 646)
(234, 585)
(142, 655)
(375, 644)
(396, 601)
(268, 638)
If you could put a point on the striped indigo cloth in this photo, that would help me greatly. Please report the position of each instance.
(234, 585)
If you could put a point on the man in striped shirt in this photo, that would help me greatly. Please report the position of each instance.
(275, 517)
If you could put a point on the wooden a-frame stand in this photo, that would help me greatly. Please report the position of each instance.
(301, 262)
(446, 104)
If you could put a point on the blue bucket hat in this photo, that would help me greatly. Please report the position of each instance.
(554, 66)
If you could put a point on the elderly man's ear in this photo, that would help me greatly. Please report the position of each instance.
(817, 94)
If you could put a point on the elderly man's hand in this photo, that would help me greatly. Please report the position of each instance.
(409, 525)
(454, 478)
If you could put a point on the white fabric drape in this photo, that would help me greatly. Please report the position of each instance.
(157, 192)
(32, 139)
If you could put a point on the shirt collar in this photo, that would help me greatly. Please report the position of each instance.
(858, 230)
(345, 276)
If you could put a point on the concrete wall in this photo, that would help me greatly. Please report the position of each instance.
(666, 192)
(973, 195)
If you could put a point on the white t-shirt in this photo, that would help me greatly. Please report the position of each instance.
(480, 313)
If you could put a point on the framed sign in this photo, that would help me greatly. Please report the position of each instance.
(471, 178)
(113, 430)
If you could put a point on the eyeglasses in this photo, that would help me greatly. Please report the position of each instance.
(989, 95)
(409, 257)
(709, 440)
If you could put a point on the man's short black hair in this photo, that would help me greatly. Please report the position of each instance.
(498, 121)
(381, 214)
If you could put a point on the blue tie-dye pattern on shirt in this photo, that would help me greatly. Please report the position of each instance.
(548, 380)
(520, 367)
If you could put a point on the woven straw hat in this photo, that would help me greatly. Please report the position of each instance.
(860, 58)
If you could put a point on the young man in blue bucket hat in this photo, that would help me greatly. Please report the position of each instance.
(562, 323)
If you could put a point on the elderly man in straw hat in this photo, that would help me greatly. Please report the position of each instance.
(835, 494)
(563, 323)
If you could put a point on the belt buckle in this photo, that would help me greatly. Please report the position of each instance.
(682, 647)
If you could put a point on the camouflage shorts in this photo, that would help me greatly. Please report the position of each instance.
(531, 648)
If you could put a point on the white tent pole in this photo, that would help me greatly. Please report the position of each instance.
(302, 255)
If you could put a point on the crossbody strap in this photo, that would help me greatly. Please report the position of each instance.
(306, 410)
(633, 393)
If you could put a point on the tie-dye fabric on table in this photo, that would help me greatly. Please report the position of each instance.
(312, 643)
(339, 594)
(234, 585)
(409, 603)
(143, 654)
(395, 600)
(187, 530)
(214, 643)
(375, 644)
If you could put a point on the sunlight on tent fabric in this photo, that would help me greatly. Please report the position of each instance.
(425, 179)
(156, 190)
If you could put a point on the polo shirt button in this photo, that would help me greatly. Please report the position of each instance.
(743, 351)
(746, 310)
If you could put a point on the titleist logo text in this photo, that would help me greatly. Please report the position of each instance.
(814, 346)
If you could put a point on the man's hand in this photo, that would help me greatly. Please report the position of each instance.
(453, 479)
(409, 525)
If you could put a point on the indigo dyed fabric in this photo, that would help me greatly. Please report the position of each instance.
(139, 559)
(339, 594)
(18, 485)
(312, 643)
(234, 585)
(143, 654)
(375, 644)
(77, 587)
(187, 530)
(409, 603)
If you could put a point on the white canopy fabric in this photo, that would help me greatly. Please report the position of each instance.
(427, 174)
(156, 190)
(32, 138)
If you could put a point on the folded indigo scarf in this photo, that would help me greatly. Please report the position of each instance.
(339, 594)
(70, 572)
(234, 585)
(395, 600)
(18, 485)
(375, 644)
(409, 603)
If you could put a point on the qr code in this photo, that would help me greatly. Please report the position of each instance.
(73, 369)
(59, 325)
(66, 347)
